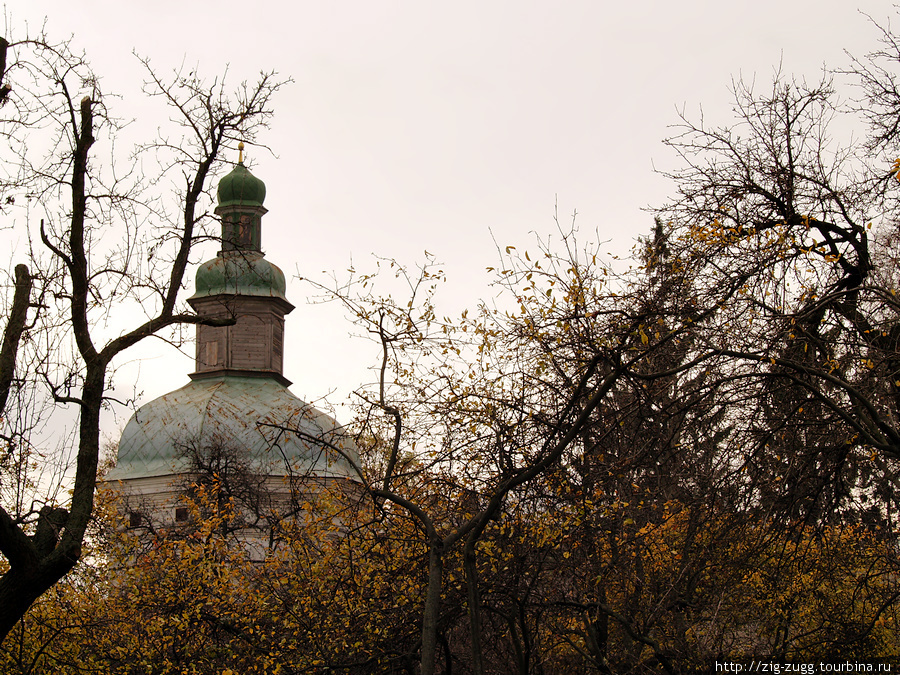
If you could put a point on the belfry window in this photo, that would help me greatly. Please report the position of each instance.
(240, 234)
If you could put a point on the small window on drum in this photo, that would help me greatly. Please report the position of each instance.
(135, 519)
(181, 514)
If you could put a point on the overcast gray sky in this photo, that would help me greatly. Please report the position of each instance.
(415, 125)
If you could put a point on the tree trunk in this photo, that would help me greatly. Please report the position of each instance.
(20, 587)
(12, 334)
(432, 608)
(474, 601)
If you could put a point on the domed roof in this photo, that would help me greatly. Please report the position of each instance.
(240, 187)
(240, 273)
(232, 411)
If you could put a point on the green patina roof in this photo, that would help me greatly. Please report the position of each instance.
(240, 187)
(231, 411)
(240, 273)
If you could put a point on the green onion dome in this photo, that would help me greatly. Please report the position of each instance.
(239, 273)
(240, 187)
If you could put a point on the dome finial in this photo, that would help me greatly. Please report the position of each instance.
(241, 152)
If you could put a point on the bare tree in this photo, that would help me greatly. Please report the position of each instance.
(108, 240)
(811, 340)
(480, 408)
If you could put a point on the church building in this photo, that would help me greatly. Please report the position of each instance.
(237, 404)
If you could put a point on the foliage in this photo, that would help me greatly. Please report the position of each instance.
(344, 589)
